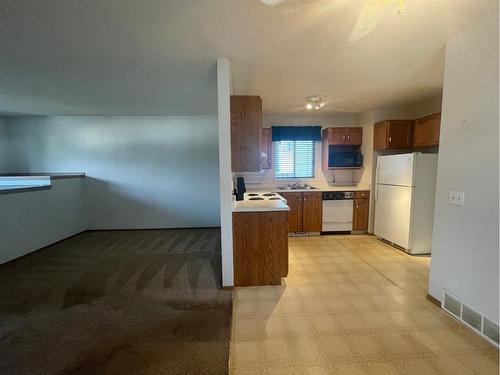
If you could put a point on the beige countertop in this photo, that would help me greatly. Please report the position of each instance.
(260, 206)
(320, 188)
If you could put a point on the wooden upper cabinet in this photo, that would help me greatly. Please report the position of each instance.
(354, 136)
(361, 211)
(380, 135)
(393, 135)
(426, 131)
(266, 148)
(343, 136)
(294, 201)
(336, 136)
(312, 212)
(246, 125)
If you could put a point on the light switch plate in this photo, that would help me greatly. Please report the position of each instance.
(457, 198)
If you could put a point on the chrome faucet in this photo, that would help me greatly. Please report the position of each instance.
(294, 185)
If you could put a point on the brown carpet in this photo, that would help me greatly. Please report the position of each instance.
(117, 302)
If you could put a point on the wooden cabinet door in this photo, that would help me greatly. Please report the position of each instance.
(294, 201)
(336, 136)
(400, 134)
(380, 135)
(426, 131)
(312, 211)
(246, 125)
(266, 148)
(360, 214)
(354, 136)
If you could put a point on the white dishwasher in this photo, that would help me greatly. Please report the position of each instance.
(337, 211)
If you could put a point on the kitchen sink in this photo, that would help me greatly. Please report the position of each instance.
(298, 187)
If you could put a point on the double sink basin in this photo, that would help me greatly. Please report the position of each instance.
(297, 187)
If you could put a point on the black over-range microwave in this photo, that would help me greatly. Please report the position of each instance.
(344, 157)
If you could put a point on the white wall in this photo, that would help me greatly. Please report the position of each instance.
(4, 144)
(142, 172)
(8, 159)
(266, 177)
(34, 219)
(465, 247)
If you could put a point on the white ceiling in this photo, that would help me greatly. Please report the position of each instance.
(123, 57)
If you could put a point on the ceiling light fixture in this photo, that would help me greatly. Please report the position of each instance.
(315, 102)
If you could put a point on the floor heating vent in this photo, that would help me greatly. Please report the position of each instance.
(490, 329)
(473, 318)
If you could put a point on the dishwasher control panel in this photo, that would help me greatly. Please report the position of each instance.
(337, 195)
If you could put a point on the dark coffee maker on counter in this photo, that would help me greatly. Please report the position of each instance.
(240, 188)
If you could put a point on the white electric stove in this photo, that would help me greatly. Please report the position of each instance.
(262, 196)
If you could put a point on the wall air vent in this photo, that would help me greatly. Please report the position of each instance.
(471, 317)
(490, 329)
(452, 305)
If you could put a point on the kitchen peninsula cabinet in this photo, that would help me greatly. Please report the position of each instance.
(393, 135)
(305, 211)
(260, 247)
(246, 128)
(426, 132)
(361, 211)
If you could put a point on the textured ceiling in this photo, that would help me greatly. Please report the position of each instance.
(123, 57)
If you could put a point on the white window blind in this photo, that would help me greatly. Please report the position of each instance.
(294, 159)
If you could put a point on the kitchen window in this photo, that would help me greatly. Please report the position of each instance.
(294, 159)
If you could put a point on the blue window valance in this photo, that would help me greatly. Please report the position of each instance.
(296, 133)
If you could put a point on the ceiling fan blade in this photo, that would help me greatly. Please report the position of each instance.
(368, 18)
(272, 3)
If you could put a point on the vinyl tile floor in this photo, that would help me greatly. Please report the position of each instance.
(351, 305)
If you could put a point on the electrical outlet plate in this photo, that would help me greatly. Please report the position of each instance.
(457, 198)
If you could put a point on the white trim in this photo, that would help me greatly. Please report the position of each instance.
(225, 175)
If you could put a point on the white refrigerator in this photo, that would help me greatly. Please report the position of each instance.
(404, 200)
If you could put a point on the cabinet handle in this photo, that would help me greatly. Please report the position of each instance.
(357, 205)
(348, 137)
(343, 137)
(390, 139)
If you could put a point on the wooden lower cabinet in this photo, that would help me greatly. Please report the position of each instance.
(294, 201)
(306, 211)
(361, 211)
(312, 211)
(260, 247)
